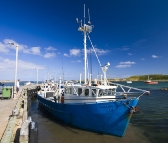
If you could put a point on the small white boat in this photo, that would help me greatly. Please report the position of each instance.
(129, 81)
(27, 83)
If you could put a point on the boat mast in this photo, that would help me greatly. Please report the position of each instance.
(85, 29)
(85, 50)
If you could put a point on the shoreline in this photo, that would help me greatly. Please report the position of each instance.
(6, 81)
(137, 80)
(10, 81)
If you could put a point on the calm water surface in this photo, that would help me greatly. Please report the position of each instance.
(149, 125)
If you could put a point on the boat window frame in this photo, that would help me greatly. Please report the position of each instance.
(87, 93)
(94, 92)
(80, 93)
(106, 92)
(66, 90)
(70, 90)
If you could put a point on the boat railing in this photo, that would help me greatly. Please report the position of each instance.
(127, 89)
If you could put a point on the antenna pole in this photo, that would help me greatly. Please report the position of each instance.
(84, 14)
(89, 17)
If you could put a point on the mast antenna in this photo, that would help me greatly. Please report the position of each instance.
(89, 17)
(84, 14)
(85, 29)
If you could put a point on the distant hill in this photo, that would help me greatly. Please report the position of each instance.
(6, 81)
(151, 76)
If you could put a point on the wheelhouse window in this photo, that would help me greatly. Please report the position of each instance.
(106, 92)
(86, 92)
(74, 91)
(79, 91)
(93, 92)
(68, 90)
(100, 92)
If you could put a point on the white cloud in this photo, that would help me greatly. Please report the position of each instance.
(98, 51)
(49, 55)
(50, 48)
(129, 54)
(154, 56)
(7, 41)
(75, 52)
(78, 61)
(8, 64)
(35, 50)
(29, 65)
(3, 48)
(142, 59)
(101, 51)
(125, 64)
(6, 48)
(66, 55)
(25, 71)
(21, 47)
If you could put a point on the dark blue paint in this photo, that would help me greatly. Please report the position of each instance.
(102, 117)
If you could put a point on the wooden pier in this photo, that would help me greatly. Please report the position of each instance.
(16, 124)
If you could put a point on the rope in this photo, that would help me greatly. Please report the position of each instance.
(90, 64)
(94, 49)
(141, 95)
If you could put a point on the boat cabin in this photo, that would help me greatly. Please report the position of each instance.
(83, 93)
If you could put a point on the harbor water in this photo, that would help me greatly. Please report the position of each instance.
(150, 125)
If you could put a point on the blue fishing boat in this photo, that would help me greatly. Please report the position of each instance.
(103, 107)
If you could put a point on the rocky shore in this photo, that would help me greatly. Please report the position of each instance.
(164, 88)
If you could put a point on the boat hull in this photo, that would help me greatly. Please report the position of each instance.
(105, 117)
(129, 81)
(151, 82)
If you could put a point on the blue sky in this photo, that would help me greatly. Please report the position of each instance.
(130, 34)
